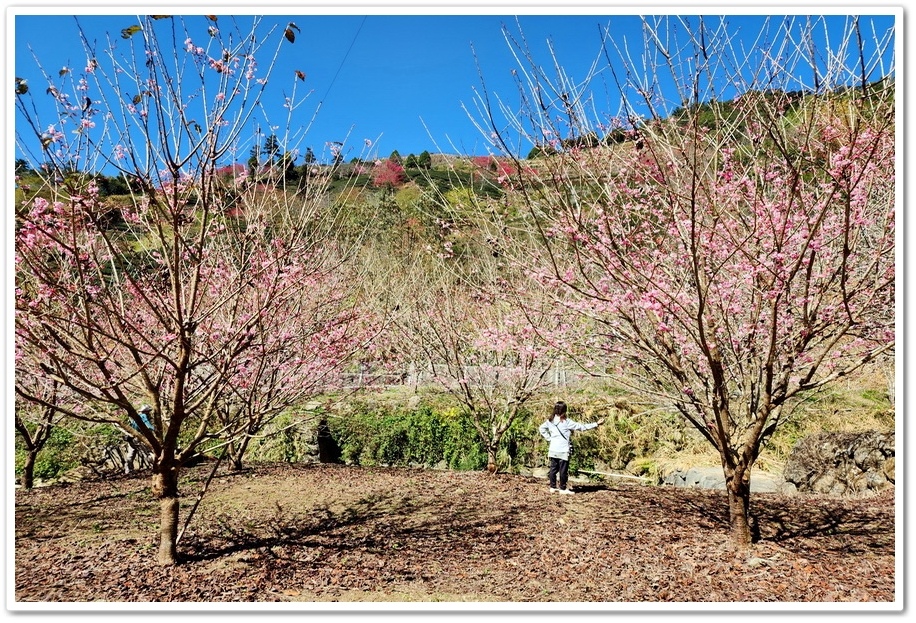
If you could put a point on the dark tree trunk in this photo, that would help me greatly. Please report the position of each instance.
(491, 457)
(235, 458)
(738, 486)
(168, 534)
(27, 478)
(237, 453)
(165, 489)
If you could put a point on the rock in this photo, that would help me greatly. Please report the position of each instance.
(414, 401)
(714, 478)
(676, 478)
(77, 474)
(788, 488)
(705, 478)
(888, 469)
(843, 464)
(539, 472)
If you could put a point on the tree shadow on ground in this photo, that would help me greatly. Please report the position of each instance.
(818, 523)
(810, 524)
(376, 523)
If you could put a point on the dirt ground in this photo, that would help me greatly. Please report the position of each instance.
(297, 533)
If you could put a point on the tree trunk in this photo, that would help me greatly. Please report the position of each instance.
(237, 450)
(491, 458)
(235, 457)
(240, 448)
(739, 497)
(27, 478)
(165, 488)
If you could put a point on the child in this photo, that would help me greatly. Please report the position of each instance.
(557, 430)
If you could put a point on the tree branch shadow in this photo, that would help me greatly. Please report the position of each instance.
(376, 524)
(804, 523)
(809, 523)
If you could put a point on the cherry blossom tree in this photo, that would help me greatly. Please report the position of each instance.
(215, 301)
(301, 349)
(388, 174)
(486, 343)
(37, 412)
(736, 245)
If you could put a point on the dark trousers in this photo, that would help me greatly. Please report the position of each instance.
(558, 467)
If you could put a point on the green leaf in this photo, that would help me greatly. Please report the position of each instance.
(160, 16)
(22, 86)
(129, 32)
(63, 72)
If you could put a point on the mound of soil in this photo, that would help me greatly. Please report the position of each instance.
(296, 533)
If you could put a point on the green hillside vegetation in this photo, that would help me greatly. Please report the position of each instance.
(402, 426)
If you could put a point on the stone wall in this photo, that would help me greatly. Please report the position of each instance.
(844, 464)
(840, 464)
(714, 478)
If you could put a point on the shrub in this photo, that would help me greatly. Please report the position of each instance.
(57, 456)
(379, 434)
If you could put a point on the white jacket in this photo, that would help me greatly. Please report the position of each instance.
(558, 432)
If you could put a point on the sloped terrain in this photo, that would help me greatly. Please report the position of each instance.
(297, 533)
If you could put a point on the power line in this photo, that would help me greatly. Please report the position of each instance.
(343, 61)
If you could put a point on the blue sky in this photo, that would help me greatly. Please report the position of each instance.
(399, 80)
